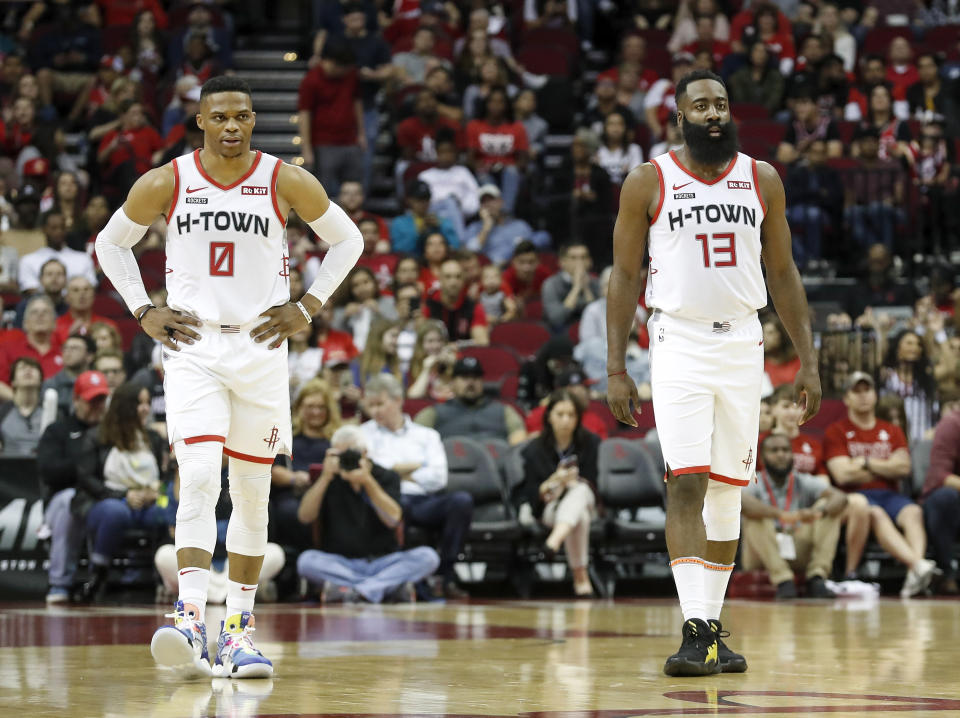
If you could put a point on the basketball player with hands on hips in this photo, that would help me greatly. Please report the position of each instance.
(711, 214)
(224, 337)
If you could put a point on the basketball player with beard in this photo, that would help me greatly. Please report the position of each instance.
(709, 214)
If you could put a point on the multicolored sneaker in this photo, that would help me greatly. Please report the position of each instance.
(236, 655)
(182, 645)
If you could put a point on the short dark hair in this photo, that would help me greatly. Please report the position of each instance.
(29, 361)
(87, 341)
(694, 76)
(565, 249)
(874, 57)
(225, 83)
(763, 442)
(866, 131)
(338, 51)
(524, 247)
(445, 135)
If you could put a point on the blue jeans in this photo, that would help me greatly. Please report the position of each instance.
(109, 519)
(941, 513)
(371, 578)
(371, 123)
(450, 513)
(509, 184)
(66, 535)
(872, 223)
(811, 219)
(449, 208)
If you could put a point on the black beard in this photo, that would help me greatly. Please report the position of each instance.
(471, 400)
(708, 150)
(780, 476)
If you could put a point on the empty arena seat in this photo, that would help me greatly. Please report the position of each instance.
(415, 406)
(627, 479)
(546, 60)
(744, 111)
(560, 38)
(525, 337)
(533, 309)
(497, 362)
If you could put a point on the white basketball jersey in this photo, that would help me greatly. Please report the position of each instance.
(704, 242)
(227, 258)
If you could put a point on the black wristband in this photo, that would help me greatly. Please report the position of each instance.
(144, 313)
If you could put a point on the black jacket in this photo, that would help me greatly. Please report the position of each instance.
(540, 460)
(59, 453)
(90, 485)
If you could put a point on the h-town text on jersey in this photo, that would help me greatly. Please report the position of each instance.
(714, 214)
(223, 221)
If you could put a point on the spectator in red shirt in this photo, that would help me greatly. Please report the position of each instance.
(941, 493)
(464, 318)
(780, 360)
(37, 342)
(79, 317)
(525, 275)
(633, 52)
(331, 118)
(706, 40)
(868, 456)
(497, 147)
(573, 380)
(873, 72)
(901, 72)
(417, 135)
(807, 449)
(123, 12)
(127, 152)
(742, 26)
(333, 341)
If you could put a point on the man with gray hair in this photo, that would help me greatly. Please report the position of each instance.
(357, 505)
(416, 453)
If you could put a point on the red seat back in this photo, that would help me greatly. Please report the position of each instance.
(523, 337)
(497, 362)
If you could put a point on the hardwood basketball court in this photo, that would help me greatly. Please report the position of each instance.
(546, 659)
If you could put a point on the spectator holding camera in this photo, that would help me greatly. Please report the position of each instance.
(560, 473)
(416, 453)
(357, 505)
(791, 521)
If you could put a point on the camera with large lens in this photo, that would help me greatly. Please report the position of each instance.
(349, 460)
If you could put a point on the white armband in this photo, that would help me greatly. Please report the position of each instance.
(114, 252)
(346, 245)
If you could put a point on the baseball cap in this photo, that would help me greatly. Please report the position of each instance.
(683, 57)
(571, 376)
(468, 366)
(488, 190)
(114, 62)
(857, 377)
(336, 357)
(90, 384)
(37, 167)
(418, 189)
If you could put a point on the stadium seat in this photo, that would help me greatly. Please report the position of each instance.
(497, 361)
(499, 450)
(831, 410)
(560, 38)
(546, 60)
(509, 386)
(747, 111)
(472, 469)
(879, 38)
(107, 305)
(523, 337)
(533, 309)
(412, 407)
(627, 479)
(941, 39)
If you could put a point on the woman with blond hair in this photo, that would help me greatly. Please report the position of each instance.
(380, 353)
(316, 416)
(431, 368)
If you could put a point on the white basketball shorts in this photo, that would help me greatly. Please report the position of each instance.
(228, 388)
(706, 379)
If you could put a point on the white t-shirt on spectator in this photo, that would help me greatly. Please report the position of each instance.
(618, 161)
(457, 182)
(78, 264)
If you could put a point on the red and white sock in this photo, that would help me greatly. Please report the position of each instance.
(715, 579)
(688, 574)
(193, 582)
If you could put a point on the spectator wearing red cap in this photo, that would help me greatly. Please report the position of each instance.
(65, 446)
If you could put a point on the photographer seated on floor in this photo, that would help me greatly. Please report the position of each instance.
(357, 505)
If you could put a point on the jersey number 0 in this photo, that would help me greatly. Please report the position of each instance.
(221, 259)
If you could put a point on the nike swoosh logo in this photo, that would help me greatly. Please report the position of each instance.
(191, 190)
(248, 588)
(761, 343)
(192, 570)
(675, 187)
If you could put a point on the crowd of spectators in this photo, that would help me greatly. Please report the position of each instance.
(480, 147)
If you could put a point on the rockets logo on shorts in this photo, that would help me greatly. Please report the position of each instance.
(271, 441)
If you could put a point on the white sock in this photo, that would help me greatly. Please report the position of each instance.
(240, 597)
(715, 578)
(193, 588)
(688, 574)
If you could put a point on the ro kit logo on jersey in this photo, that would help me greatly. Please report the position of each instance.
(223, 221)
(250, 189)
(713, 214)
(737, 184)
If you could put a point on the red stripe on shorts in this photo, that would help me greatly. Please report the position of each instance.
(248, 457)
(729, 480)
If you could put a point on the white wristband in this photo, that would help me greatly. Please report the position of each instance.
(305, 312)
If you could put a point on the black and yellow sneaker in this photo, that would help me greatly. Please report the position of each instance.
(698, 652)
(730, 662)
